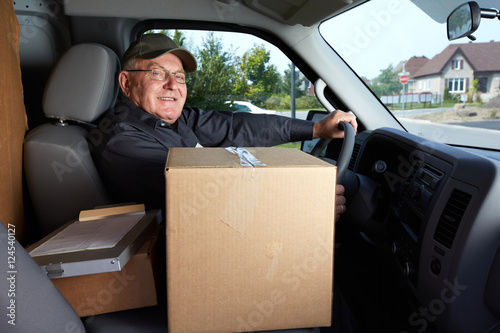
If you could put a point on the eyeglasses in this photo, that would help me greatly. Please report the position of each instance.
(162, 74)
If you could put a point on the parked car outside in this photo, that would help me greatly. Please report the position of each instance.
(242, 106)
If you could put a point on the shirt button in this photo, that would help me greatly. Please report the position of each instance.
(162, 124)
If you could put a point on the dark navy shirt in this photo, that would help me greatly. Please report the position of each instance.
(132, 145)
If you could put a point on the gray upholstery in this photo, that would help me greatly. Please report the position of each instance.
(62, 178)
(60, 173)
(147, 320)
(83, 84)
(38, 305)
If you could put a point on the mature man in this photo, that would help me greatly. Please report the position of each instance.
(150, 118)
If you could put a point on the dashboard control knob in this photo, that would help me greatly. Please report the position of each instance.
(417, 193)
(396, 247)
(409, 269)
(436, 266)
(380, 166)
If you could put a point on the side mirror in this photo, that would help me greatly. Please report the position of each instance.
(464, 20)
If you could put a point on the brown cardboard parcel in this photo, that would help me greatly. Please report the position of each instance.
(248, 248)
(132, 287)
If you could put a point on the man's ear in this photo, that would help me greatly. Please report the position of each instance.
(124, 81)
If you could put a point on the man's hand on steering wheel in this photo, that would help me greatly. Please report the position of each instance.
(328, 127)
(334, 126)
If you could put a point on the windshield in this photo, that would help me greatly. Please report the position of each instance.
(442, 90)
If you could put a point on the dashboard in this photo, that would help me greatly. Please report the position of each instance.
(437, 212)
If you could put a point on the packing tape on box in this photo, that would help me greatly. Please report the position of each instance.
(246, 158)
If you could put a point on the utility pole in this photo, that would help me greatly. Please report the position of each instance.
(403, 78)
(292, 93)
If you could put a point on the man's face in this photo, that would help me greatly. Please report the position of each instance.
(163, 99)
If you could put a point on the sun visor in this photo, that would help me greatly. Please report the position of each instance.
(305, 12)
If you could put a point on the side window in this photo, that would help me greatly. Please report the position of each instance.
(242, 108)
(241, 67)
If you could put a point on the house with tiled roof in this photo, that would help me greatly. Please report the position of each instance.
(411, 66)
(456, 67)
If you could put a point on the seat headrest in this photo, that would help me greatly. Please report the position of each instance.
(83, 84)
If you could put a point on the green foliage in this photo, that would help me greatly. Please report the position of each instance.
(259, 79)
(475, 85)
(450, 98)
(308, 103)
(386, 83)
(273, 103)
(179, 38)
(286, 103)
(293, 145)
(479, 99)
(493, 113)
(286, 84)
(301, 103)
(215, 79)
(223, 76)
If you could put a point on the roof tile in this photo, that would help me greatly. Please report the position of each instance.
(483, 57)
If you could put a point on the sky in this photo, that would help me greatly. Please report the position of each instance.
(392, 31)
(241, 43)
(388, 32)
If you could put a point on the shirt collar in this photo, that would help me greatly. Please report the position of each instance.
(140, 114)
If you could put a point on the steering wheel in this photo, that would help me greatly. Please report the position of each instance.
(345, 152)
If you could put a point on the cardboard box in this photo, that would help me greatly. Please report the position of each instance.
(132, 287)
(13, 126)
(248, 248)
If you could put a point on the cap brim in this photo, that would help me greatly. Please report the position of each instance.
(188, 60)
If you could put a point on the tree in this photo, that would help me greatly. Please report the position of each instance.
(386, 83)
(286, 85)
(259, 78)
(214, 81)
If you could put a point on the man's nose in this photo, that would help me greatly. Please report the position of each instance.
(170, 82)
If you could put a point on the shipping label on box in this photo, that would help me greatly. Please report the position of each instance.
(248, 248)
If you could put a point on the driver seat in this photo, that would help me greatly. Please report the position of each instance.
(61, 176)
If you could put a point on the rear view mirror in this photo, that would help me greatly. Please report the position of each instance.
(464, 20)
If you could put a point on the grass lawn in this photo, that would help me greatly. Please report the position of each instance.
(295, 145)
(416, 106)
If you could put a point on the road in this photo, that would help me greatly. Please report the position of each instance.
(406, 113)
(492, 124)
(477, 133)
(298, 114)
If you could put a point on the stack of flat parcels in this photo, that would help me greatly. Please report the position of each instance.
(249, 239)
(101, 260)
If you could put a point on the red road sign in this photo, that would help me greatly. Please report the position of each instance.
(403, 79)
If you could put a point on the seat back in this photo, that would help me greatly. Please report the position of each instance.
(30, 301)
(61, 176)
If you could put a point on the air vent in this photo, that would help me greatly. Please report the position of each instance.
(451, 217)
(354, 156)
(409, 180)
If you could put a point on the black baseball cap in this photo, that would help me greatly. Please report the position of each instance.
(150, 46)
